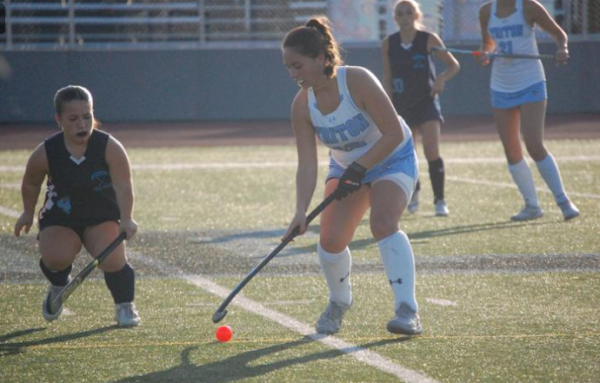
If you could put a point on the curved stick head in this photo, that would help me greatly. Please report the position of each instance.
(218, 316)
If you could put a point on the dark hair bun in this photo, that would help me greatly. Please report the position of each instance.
(317, 24)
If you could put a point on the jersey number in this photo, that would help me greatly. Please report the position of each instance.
(506, 47)
(65, 205)
(398, 85)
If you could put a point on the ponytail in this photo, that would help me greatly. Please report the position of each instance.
(314, 39)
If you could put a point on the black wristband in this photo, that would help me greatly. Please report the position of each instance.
(358, 168)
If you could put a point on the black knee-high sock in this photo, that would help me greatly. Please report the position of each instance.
(121, 284)
(57, 278)
(418, 187)
(437, 176)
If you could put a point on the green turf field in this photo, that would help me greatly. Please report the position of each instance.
(499, 301)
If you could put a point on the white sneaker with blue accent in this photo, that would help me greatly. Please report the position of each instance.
(330, 321)
(528, 213)
(413, 205)
(569, 210)
(406, 322)
(441, 209)
(51, 310)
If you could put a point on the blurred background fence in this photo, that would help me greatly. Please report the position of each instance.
(197, 60)
(76, 24)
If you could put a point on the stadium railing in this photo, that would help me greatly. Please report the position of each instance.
(141, 24)
(72, 24)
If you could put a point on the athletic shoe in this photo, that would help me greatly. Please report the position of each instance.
(331, 319)
(528, 213)
(406, 322)
(569, 210)
(413, 205)
(51, 310)
(441, 209)
(126, 315)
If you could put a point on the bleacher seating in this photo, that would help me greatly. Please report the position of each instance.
(72, 23)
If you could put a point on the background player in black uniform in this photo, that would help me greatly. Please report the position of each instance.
(89, 201)
(410, 81)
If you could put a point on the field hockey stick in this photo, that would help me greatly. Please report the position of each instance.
(495, 54)
(221, 311)
(83, 274)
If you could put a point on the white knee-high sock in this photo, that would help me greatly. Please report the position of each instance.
(550, 173)
(336, 268)
(521, 174)
(399, 263)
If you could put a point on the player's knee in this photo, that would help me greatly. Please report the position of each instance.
(432, 155)
(332, 243)
(537, 152)
(113, 264)
(56, 262)
(513, 157)
(383, 227)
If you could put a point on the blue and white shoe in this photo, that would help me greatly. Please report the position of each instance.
(528, 213)
(569, 210)
(406, 322)
(441, 208)
(51, 310)
(413, 205)
(330, 321)
(126, 315)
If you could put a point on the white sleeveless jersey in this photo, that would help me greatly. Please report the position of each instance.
(348, 131)
(513, 34)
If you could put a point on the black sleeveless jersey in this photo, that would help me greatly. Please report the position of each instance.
(413, 71)
(78, 194)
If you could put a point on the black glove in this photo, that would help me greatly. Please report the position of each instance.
(350, 181)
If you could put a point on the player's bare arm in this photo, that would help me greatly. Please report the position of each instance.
(368, 95)
(487, 43)
(35, 173)
(537, 14)
(306, 145)
(387, 70)
(451, 64)
(120, 174)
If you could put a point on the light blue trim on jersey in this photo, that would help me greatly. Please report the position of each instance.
(348, 131)
(513, 34)
(506, 100)
(401, 161)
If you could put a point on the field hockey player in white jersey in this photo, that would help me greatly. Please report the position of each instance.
(372, 165)
(518, 91)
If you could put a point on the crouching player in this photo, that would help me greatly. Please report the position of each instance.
(89, 201)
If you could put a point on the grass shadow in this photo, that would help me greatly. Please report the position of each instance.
(419, 237)
(243, 366)
(7, 349)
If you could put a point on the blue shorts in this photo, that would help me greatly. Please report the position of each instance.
(403, 161)
(506, 100)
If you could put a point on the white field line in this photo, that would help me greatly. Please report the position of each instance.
(441, 302)
(363, 355)
(9, 212)
(273, 303)
(14, 186)
(241, 165)
(278, 164)
(513, 186)
(500, 160)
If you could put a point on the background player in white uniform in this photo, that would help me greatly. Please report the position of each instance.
(518, 89)
(372, 164)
